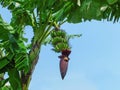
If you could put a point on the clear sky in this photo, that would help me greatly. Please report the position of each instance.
(94, 61)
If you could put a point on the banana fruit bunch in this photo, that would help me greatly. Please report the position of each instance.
(59, 40)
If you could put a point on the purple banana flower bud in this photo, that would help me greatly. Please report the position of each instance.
(64, 59)
(63, 66)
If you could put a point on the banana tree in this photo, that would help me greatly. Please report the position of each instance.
(17, 59)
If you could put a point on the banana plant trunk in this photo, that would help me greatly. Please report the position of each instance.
(34, 56)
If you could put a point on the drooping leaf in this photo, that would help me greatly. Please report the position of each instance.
(22, 62)
(63, 12)
(5, 29)
(14, 79)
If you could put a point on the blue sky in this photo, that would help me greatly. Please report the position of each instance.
(94, 61)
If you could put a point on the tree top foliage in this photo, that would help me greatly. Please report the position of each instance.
(73, 11)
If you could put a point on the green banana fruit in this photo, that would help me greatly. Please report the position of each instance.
(59, 40)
